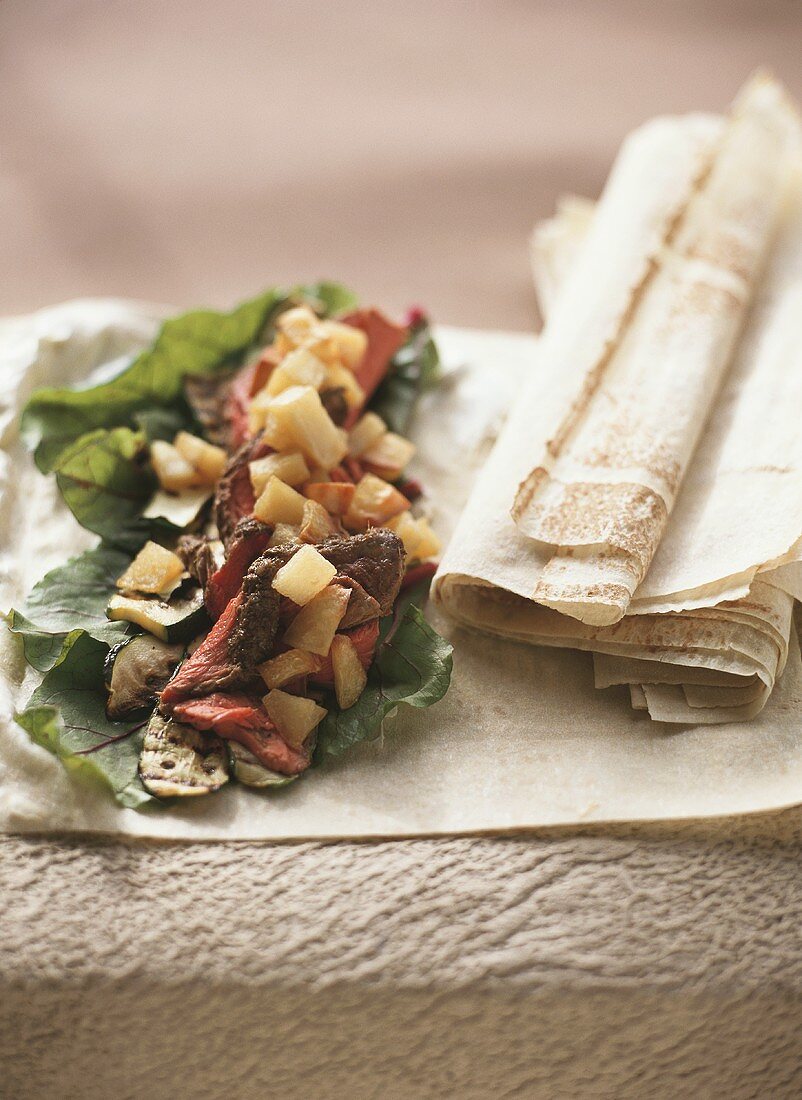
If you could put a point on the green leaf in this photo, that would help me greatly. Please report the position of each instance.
(106, 483)
(415, 368)
(72, 597)
(204, 341)
(412, 665)
(66, 715)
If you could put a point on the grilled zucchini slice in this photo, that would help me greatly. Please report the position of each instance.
(178, 620)
(179, 761)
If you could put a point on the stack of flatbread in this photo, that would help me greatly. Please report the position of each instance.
(644, 500)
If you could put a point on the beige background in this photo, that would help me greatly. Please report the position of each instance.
(189, 151)
(193, 151)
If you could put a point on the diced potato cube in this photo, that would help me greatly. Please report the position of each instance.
(259, 411)
(298, 415)
(336, 342)
(171, 468)
(154, 570)
(317, 525)
(367, 431)
(335, 496)
(290, 467)
(279, 503)
(295, 326)
(293, 716)
(338, 376)
(315, 625)
(406, 527)
(375, 501)
(429, 545)
(349, 675)
(209, 461)
(298, 368)
(305, 575)
(295, 662)
(388, 456)
(284, 534)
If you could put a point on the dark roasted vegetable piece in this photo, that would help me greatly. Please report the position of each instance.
(177, 620)
(335, 404)
(248, 770)
(237, 716)
(180, 761)
(207, 396)
(135, 672)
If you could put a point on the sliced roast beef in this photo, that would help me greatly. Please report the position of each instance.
(374, 560)
(242, 717)
(361, 606)
(202, 556)
(234, 498)
(384, 340)
(249, 540)
(208, 396)
(247, 381)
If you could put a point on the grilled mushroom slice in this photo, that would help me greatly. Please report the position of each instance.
(135, 672)
(251, 772)
(177, 760)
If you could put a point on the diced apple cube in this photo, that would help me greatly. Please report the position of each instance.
(336, 341)
(293, 716)
(294, 327)
(429, 545)
(368, 430)
(298, 368)
(374, 502)
(284, 534)
(287, 666)
(155, 570)
(279, 503)
(209, 461)
(335, 496)
(406, 527)
(315, 625)
(349, 675)
(298, 415)
(339, 377)
(171, 468)
(305, 575)
(388, 456)
(289, 467)
(317, 524)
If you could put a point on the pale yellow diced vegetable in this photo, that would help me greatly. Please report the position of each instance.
(368, 430)
(429, 545)
(335, 496)
(290, 467)
(317, 524)
(155, 570)
(298, 415)
(345, 343)
(287, 666)
(315, 625)
(171, 468)
(293, 716)
(209, 461)
(295, 326)
(258, 413)
(338, 376)
(349, 675)
(375, 501)
(406, 527)
(284, 534)
(279, 503)
(298, 368)
(388, 456)
(305, 575)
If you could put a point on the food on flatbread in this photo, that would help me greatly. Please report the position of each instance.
(645, 498)
(270, 608)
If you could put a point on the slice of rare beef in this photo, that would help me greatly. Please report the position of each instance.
(249, 540)
(246, 383)
(234, 498)
(237, 716)
(385, 338)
